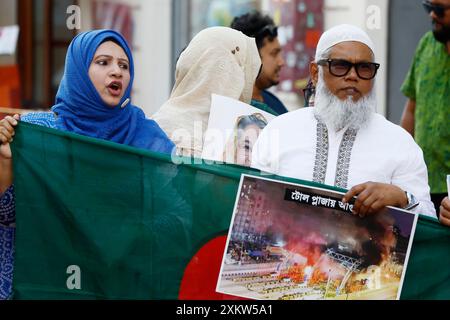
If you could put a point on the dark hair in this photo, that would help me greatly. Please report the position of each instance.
(112, 40)
(257, 26)
(308, 92)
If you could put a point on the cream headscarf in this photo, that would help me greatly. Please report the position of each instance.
(218, 60)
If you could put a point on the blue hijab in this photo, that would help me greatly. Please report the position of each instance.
(81, 110)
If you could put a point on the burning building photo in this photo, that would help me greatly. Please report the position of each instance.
(279, 249)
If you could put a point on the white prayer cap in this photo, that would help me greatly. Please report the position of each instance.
(342, 33)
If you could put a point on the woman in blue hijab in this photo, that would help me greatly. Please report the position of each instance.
(94, 100)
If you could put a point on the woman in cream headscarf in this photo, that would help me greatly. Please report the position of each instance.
(218, 60)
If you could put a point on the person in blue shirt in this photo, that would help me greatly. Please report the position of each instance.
(264, 30)
(94, 100)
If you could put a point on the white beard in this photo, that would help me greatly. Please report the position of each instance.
(338, 114)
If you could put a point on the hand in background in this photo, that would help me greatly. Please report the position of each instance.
(6, 135)
(444, 216)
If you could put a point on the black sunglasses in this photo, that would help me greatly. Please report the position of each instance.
(438, 9)
(340, 68)
(269, 30)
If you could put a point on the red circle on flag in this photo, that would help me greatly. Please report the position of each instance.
(202, 273)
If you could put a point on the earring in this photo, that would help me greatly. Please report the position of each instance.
(125, 103)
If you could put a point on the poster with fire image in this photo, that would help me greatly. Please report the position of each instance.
(292, 242)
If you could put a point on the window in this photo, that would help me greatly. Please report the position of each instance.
(43, 41)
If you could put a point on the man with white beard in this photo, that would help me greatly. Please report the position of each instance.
(341, 141)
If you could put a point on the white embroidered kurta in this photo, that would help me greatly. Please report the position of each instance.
(295, 145)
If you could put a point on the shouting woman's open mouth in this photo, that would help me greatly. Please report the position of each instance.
(115, 88)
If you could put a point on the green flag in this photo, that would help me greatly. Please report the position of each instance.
(97, 220)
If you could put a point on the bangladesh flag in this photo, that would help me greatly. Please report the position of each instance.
(97, 220)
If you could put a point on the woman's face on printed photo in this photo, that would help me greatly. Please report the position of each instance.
(246, 139)
(110, 73)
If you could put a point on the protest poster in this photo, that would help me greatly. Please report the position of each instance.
(292, 242)
(233, 129)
